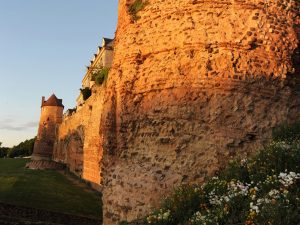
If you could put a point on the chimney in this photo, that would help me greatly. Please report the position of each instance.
(43, 100)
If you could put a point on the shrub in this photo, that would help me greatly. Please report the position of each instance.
(3, 152)
(86, 93)
(181, 205)
(16, 152)
(23, 149)
(264, 189)
(135, 7)
(100, 76)
(287, 132)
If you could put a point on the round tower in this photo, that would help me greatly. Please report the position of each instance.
(193, 84)
(51, 117)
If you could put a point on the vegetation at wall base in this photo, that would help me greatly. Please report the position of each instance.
(100, 76)
(86, 93)
(264, 189)
(135, 7)
(287, 132)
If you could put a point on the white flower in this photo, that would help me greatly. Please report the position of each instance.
(274, 193)
(166, 215)
(254, 207)
(198, 217)
(196, 189)
(288, 179)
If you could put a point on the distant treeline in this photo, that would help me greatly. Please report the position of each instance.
(25, 148)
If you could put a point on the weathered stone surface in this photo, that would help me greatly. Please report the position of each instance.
(193, 84)
(51, 117)
(78, 140)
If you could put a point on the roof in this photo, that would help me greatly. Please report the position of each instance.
(107, 42)
(52, 101)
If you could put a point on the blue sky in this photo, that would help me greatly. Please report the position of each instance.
(44, 48)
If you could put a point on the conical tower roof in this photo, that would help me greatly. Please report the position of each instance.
(53, 101)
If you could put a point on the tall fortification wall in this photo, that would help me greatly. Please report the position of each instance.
(193, 84)
(78, 139)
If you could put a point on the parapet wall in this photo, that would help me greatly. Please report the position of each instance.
(193, 84)
(78, 140)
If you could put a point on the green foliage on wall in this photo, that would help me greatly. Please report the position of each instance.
(100, 76)
(86, 93)
(135, 7)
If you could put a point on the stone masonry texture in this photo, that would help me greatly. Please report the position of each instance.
(78, 140)
(193, 84)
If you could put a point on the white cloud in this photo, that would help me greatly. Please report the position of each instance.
(11, 124)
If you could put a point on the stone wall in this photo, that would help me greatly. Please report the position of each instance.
(193, 84)
(78, 139)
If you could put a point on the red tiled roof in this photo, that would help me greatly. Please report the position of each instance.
(53, 101)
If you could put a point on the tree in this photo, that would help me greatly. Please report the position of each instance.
(25, 148)
(3, 151)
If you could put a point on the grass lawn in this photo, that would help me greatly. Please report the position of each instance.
(46, 189)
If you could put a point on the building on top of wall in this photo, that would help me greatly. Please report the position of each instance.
(102, 59)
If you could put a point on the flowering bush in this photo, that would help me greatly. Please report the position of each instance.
(262, 190)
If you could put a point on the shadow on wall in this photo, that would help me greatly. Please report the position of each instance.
(69, 150)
